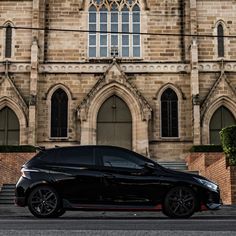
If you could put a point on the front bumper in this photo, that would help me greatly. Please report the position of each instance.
(213, 206)
(212, 200)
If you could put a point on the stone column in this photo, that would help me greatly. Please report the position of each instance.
(195, 74)
(33, 93)
(34, 73)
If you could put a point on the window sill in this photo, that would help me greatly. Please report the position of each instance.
(58, 138)
(110, 59)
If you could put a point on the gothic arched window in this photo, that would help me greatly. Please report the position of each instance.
(9, 127)
(8, 41)
(220, 119)
(169, 114)
(220, 41)
(59, 113)
(106, 19)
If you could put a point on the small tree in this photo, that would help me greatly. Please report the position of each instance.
(228, 140)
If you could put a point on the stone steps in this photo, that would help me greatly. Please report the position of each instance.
(177, 165)
(7, 194)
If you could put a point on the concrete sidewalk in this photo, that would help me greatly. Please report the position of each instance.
(15, 211)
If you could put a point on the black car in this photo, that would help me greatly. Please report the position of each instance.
(109, 178)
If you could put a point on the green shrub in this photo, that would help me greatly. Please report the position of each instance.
(14, 148)
(206, 148)
(228, 140)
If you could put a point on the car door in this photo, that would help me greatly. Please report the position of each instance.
(125, 178)
(76, 174)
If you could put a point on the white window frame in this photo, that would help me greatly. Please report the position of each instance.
(120, 45)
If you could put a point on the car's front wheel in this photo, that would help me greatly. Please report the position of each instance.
(180, 202)
(44, 202)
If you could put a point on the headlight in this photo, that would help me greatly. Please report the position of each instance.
(26, 172)
(207, 183)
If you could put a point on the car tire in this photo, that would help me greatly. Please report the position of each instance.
(44, 202)
(180, 202)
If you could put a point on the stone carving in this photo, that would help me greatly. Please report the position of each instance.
(32, 100)
(126, 67)
(196, 99)
(114, 74)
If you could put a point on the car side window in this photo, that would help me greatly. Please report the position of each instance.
(47, 155)
(78, 156)
(120, 158)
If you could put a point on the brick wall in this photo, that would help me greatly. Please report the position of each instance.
(213, 166)
(10, 166)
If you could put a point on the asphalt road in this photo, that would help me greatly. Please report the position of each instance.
(135, 225)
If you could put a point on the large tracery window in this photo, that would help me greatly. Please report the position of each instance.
(114, 28)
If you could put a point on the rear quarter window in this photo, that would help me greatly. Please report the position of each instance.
(77, 155)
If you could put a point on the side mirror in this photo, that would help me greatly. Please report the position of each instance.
(149, 165)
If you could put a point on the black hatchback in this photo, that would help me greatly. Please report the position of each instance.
(109, 178)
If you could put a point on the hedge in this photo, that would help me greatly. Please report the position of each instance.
(206, 148)
(228, 140)
(14, 148)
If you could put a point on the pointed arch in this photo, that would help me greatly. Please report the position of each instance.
(58, 100)
(114, 123)
(169, 114)
(8, 40)
(221, 30)
(21, 116)
(9, 127)
(165, 111)
(221, 118)
(139, 125)
(222, 101)
(220, 40)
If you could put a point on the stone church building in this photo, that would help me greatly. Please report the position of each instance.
(154, 76)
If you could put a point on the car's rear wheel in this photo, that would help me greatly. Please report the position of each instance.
(44, 202)
(180, 202)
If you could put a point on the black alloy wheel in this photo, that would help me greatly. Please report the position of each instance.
(44, 202)
(180, 202)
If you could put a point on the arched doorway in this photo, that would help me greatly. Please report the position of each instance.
(114, 123)
(220, 119)
(9, 127)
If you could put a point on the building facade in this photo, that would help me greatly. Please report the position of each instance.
(154, 76)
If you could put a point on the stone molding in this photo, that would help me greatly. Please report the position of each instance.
(120, 79)
(16, 67)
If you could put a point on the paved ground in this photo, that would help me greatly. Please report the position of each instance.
(12, 210)
(18, 221)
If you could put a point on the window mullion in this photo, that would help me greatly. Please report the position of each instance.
(98, 34)
(120, 35)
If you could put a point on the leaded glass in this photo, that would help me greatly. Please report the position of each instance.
(220, 34)
(169, 114)
(59, 113)
(113, 17)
